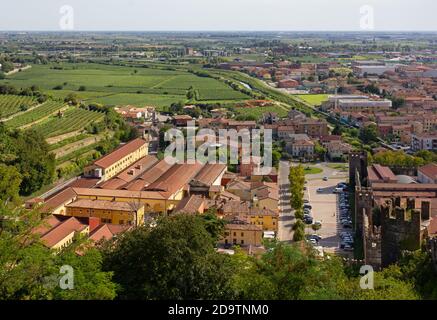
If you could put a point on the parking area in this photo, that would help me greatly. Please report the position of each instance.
(328, 208)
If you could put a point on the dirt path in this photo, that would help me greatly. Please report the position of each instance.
(17, 70)
(57, 139)
(69, 148)
(21, 112)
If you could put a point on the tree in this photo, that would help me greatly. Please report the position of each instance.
(213, 224)
(174, 260)
(10, 180)
(337, 130)
(299, 230)
(82, 88)
(72, 99)
(297, 182)
(29, 153)
(369, 134)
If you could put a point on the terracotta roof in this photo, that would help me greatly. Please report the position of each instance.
(149, 176)
(120, 193)
(113, 184)
(61, 231)
(192, 204)
(84, 183)
(209, 173)
(182, 117)
(138, 168)
(120, 153)
(377, 172)
(100, 205)
(49, 223)
(238, 184)
(432, 228)
(107, 231)
(175, 178)
(429, 170)
(228, 196)
(58, 200)
(236, 207)
(247, 227)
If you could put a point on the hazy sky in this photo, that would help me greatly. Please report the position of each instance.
(183, 15)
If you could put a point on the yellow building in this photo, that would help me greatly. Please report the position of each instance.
(122, 213)
(153, 201)
(265, 218)
(112, 164)
(242, 235)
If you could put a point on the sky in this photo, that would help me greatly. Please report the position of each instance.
(220, 15)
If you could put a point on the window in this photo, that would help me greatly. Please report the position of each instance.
(242, 234)
(235, 234)
(235, 241)
(242, 241)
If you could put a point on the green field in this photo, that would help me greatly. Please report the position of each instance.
(74, 119)
(313, 99)
(312, 170)
(259, 111)
(10, 104)
(36, 114)
(113, 85)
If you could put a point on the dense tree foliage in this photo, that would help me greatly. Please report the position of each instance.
(369, 134)
(174, 260)
(398, 159)
(29, 270)
(28, 152)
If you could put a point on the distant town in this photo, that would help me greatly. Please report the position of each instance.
(85, 121)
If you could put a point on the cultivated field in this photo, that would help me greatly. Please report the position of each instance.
(114, 85)
(36, 114)
(313, 99)
(10, 104)
(73, 119)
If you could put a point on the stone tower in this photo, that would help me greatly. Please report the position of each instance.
(400, 229)
(363, 207)
(372, 243)
(357, 163)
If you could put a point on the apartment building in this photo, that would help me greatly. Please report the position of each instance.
(122, 213)
(424, 141)
(242, 235)
(112, 164)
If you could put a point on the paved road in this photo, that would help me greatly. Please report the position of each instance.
(286, 217)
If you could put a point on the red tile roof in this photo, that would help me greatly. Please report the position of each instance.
(61, 231)
(120, 153)
(429, 170)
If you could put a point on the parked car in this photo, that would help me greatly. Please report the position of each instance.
(308, 220)
(319, 190)
(325, 178)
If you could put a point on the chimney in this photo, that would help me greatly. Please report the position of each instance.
(93, 223)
